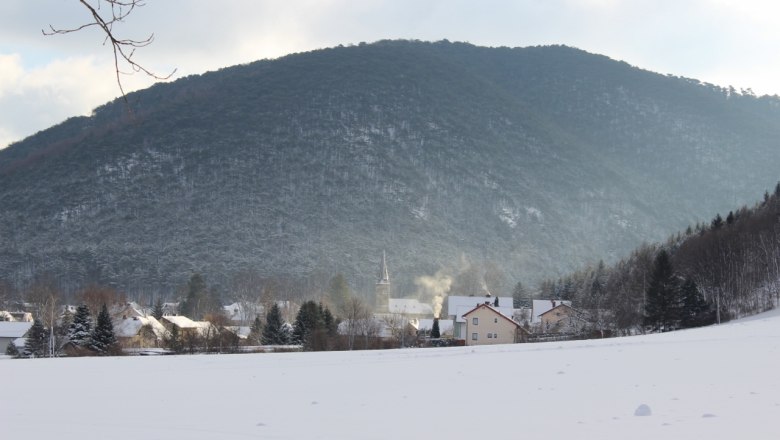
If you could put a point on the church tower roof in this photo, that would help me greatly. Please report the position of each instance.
(384, 276)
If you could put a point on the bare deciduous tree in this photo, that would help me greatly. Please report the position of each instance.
(104, 15)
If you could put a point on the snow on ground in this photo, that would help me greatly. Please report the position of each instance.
(712, 383)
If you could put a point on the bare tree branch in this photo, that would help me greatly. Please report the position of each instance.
(106, 13)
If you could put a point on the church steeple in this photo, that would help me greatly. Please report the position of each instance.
(384, 277)
(383, 287)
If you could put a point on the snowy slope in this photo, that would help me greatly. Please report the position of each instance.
(713, 383)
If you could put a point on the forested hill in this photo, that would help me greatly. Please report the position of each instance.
(524, 162)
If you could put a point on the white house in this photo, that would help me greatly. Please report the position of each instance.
(10, 330)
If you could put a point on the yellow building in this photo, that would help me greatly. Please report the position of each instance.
(487, 326)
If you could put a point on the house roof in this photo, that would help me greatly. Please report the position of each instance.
(490, 308)
(129, 327)
(185, 322)
(560, 306)
(14, 329)
(458, 305)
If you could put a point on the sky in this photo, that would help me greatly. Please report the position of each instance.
(47, 79)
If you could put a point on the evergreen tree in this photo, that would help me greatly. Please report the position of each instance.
(495, 302)
(306, 322)
(435, 332)
(256, 332)
(194, 303)
(37, 344)
(695, 310)
(273, 333)
(314, 326)
(329, 322)
(663, 305)
(717, 222)
(519, 295)
(173, 340)
(11, 350)
(80, 331)
(157, 313)
(103, 338)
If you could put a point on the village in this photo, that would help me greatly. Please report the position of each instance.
(480, 319)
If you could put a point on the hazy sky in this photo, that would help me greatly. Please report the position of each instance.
(44, 80)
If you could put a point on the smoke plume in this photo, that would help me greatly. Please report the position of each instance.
(435, 286)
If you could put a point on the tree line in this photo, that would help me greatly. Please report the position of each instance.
(712, 272)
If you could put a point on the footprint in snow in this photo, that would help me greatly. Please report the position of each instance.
(708, 416)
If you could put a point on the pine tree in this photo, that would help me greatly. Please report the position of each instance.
(11, 350)
(256, 332)
(103, 338)
(329, 323)
(157, 313)
(695, 310)
(37, 344)
(435, 332)
(173, 340)
(273, 333)
(314, 326)
(80, 331)
(663, 305)
(519, 295)
(306, 321)
(495, 302)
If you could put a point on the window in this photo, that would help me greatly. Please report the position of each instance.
(473, 336)
(495, 320)
(475, 321)
(490, 335)
(495, 335)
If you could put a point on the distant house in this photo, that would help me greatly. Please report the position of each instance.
(540, 306)
(458, 305)
(10, 330)
(128, 310)
(140, 332)
(185, 325)
(563, 319)
(485, 325)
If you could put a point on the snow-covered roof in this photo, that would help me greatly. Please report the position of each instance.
(409, 306)
(185, 322)
(129, 327)
(14, 329)
(541, 306)
(458, 305)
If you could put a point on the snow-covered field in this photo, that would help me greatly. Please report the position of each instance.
(714, 383)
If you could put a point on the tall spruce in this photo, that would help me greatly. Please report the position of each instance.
(435, 332)
(157, 313)
(273, 333)
(663, 303)
(103, 338)
(695, 310)
(37, 343)
(80, 331)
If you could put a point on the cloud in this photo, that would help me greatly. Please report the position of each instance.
(35, 98)
(43, 80)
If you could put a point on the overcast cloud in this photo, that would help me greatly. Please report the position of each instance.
(44, 80)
